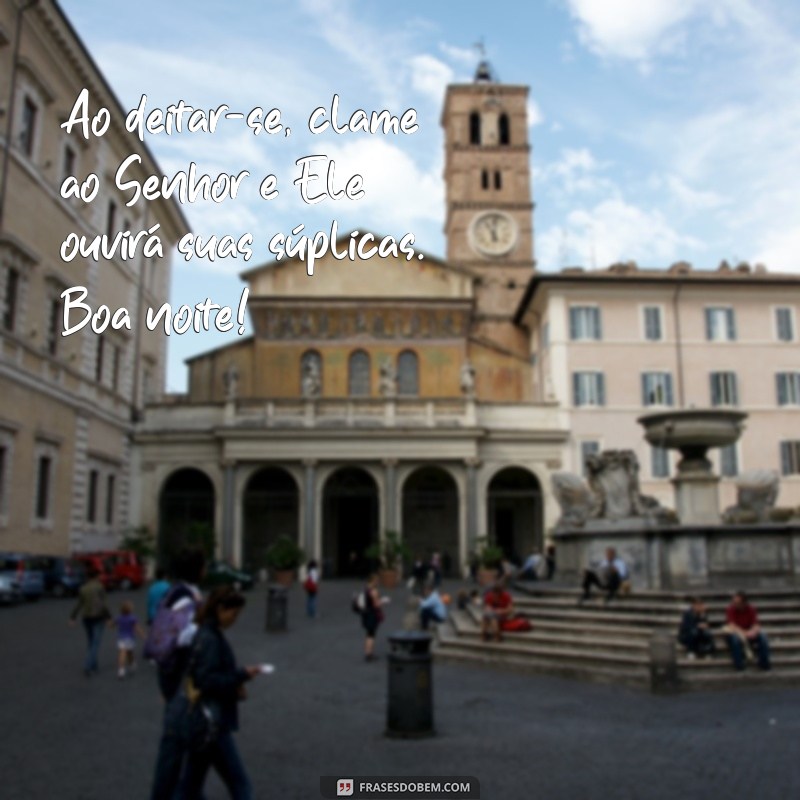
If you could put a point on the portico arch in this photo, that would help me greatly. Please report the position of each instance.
(271, 507)
(514, 507)
(430, 516)
(350, 518)
(186, 512)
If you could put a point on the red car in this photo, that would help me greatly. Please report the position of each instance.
(103, 566)
(126, 568)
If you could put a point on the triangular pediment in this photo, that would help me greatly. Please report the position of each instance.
(388, 277)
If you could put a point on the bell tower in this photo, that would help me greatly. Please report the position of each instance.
(489, 213)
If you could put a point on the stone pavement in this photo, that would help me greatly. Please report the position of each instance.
(323, 712)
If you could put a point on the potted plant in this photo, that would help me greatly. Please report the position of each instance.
(283, 557)
(490, 558)
(389, 552)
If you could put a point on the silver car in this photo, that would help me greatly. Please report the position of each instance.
(9, 591)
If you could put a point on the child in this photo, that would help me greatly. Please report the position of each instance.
(311, 586)
(128, 628)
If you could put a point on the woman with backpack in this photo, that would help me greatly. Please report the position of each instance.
(218, 685)
(311, 587)
(371, 614)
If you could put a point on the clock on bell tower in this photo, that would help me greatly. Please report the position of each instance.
(489, 222)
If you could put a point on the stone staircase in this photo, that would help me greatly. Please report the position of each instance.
(611, 643)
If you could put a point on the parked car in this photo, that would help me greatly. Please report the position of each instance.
(219, 573)
(9, 591)
(104, 567)
(127, 567)
(20, 568)
(62, 575)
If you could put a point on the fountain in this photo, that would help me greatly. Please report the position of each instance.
(693, 548)
(693, 432)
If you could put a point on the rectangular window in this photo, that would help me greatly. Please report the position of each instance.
(729, 461)
(790, 458)
(724, 391)
(43, 476)
(652, 323)
(588, 448)
(91, 496)
(68, 163)
(584, 323)
(111, 219)
(115, 365)
(659, 462)
(788, 388)
(656, 389)
(98, 360)
(784, 324)
(54, 318)
(3, 477)
(28, 128)
(11, 299)
(110, 481)
(720, 324)
(588, 389)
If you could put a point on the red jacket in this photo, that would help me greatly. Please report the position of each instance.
(743, 617)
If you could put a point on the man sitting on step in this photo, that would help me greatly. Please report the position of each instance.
(497, 607)
(744, 633)
(431, 607)
(610, 575)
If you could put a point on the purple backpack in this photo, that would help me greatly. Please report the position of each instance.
(161, 643)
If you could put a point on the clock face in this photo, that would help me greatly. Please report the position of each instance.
(493, 233)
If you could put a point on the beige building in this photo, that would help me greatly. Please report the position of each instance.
(615, 344)
(67, 404)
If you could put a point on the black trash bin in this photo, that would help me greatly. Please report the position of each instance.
(410, 704)
(277, 611)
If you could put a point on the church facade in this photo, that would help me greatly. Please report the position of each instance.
(377, 395)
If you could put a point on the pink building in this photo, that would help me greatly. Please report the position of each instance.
(616, 343)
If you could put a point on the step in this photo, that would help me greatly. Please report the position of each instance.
(633, 603)
(543, 589)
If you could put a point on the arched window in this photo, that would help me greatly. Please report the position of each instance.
(485, 179)
(474, 128)
(504, 129)
(311, 374)
(408, 374)
(358, 377)
(498, 180)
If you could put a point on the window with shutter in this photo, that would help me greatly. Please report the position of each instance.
(784, 324)
(659, 462)
(729, 461)
(788, 388)
(652, 323)
(790, 457)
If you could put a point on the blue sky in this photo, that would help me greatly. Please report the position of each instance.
(661, 131)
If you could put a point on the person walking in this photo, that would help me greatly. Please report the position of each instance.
(371, 615)
(91, 607)
(156, 593)
(311, 587)
(181, 602)
(221, 686)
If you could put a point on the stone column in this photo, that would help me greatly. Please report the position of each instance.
(309, 500)
(472, 503)
(228, 510)
(390, 508)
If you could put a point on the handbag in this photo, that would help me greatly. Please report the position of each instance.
(203, 719)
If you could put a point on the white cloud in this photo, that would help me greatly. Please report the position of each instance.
(465, 56)
(694, 199)
(577, 171)
(612, 231)
(630, 28)
(780, 250)
(399, 196)
(430, 77)
(535, 116)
